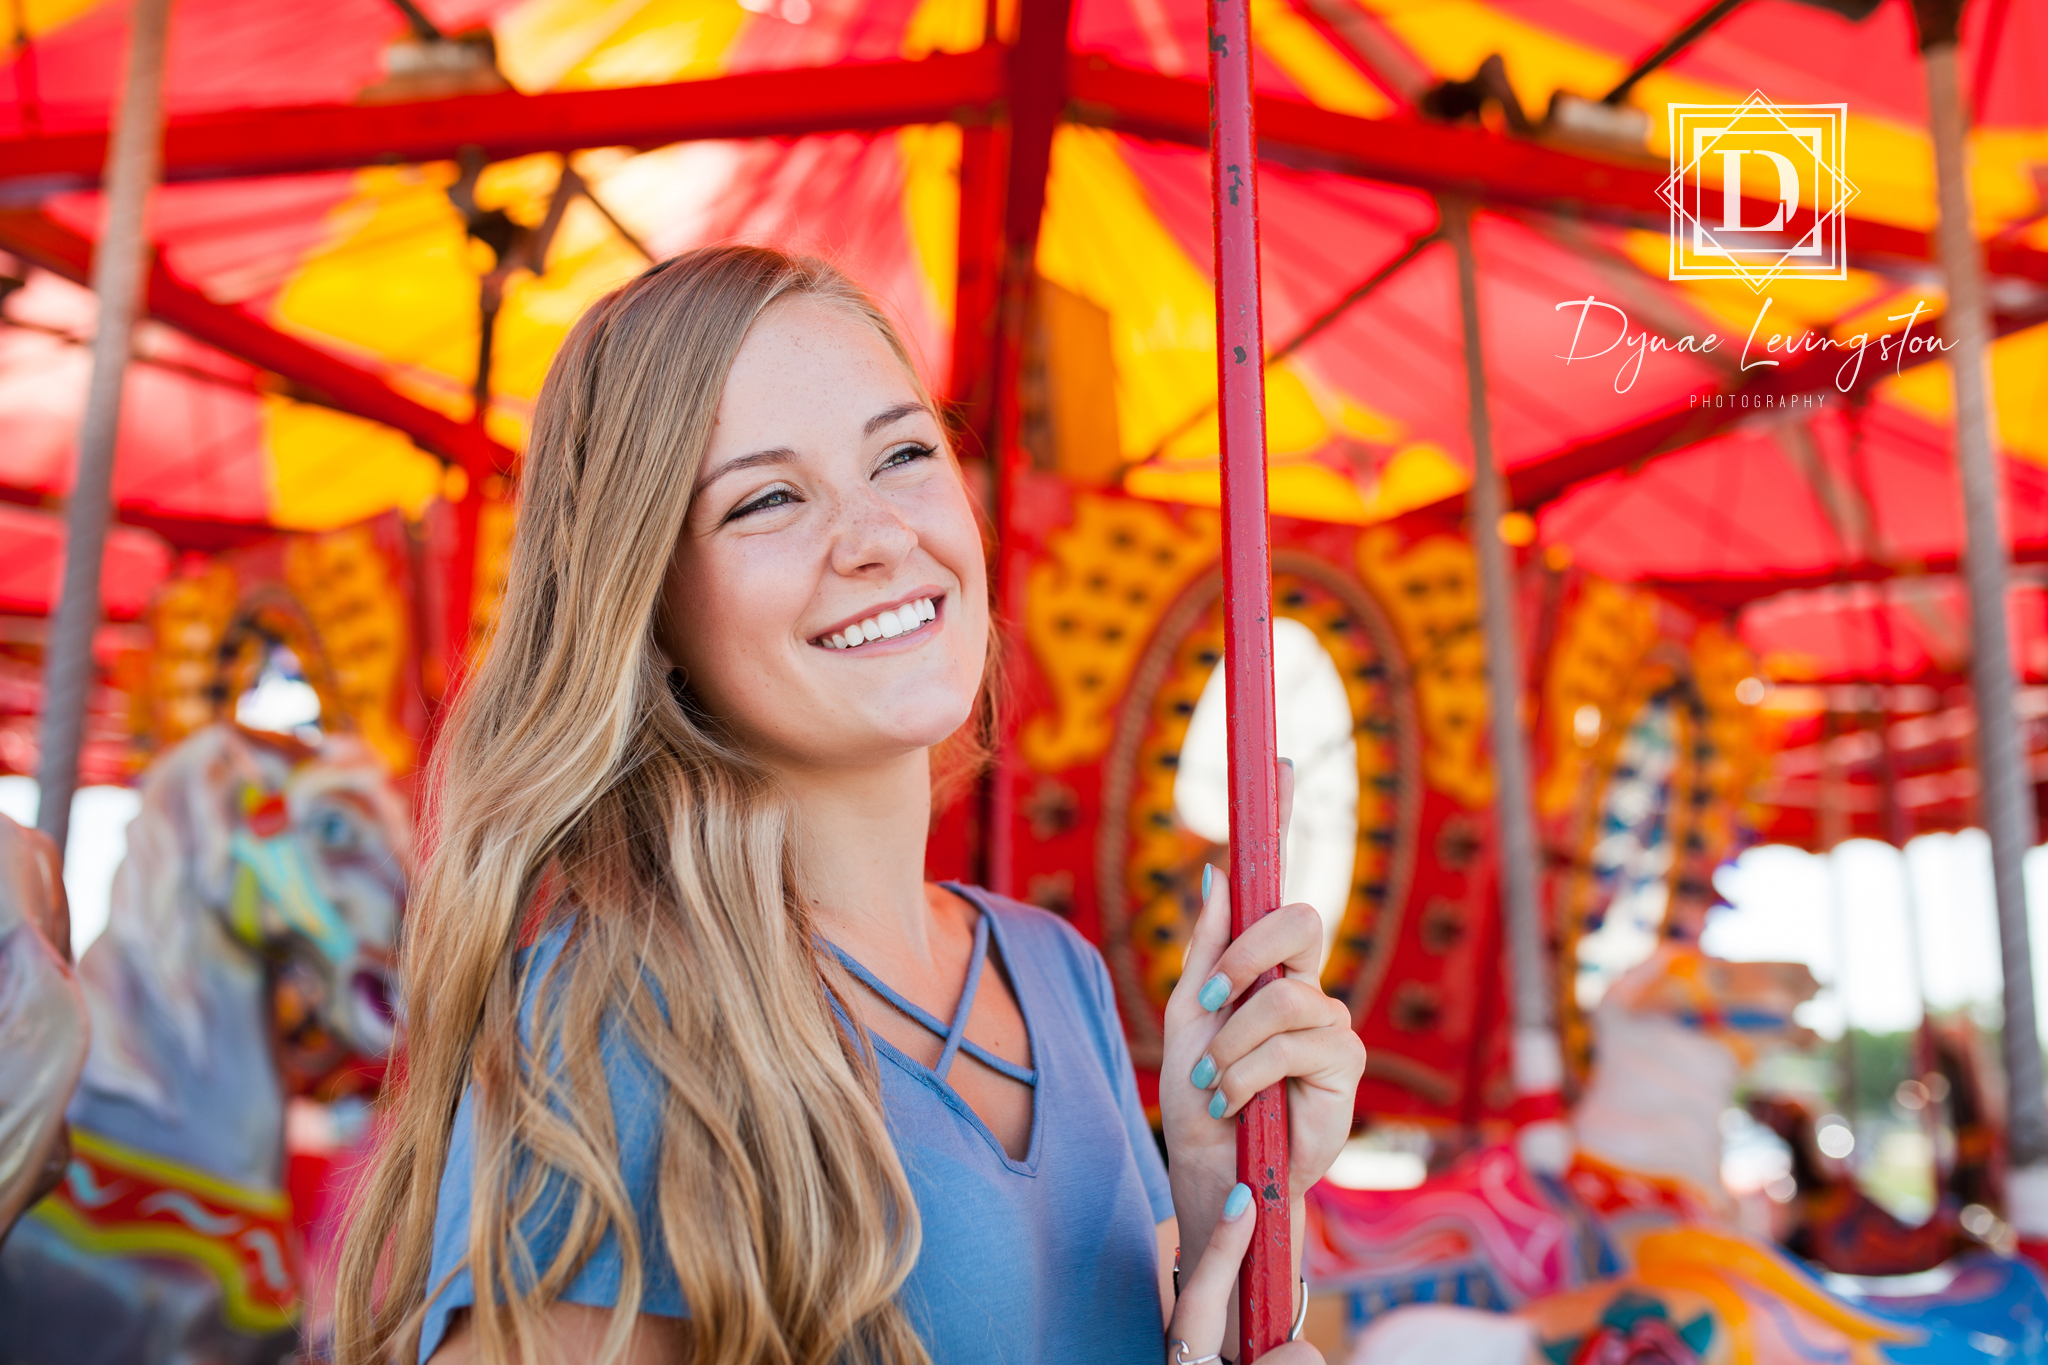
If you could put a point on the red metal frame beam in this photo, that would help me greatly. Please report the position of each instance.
(1034, 95)
(186, 533)
(44, 242)
(949, 88)
(1453, 158)
(978, 283)
(956, 88)
(1731, 592)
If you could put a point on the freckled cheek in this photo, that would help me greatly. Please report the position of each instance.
(946, 529)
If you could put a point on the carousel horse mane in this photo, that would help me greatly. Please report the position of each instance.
(178, 859)
(168, 914)
(42, 1018)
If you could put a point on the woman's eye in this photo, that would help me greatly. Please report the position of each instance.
(775, 497)
(906, 454)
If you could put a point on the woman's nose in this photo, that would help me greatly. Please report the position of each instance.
(870, 534)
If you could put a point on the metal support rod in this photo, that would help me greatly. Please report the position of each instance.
(2007, 794)
(1266, 1285)
(1898, 832)
(118, 269)
(1035, 78)
(1898, 821)
(1834, 832)
(1538, 1062)
(1691, 32)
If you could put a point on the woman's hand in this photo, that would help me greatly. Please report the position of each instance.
(1222, 1049)
(1202, 1312)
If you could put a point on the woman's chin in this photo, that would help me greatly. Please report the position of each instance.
(879, 741)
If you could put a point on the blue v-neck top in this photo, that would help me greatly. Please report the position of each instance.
(1052, 1258)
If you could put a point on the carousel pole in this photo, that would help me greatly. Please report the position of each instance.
(1266, 1286)
(2008, 798)
(119, 265)
(1544, 1143)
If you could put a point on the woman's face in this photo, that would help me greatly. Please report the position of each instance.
(828, 511)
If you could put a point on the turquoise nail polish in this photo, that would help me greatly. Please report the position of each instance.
(1215, 991)
(1217, 1104)
(1288, 761)
(1204, 1074)
(1240, 1199)
(1208, 877)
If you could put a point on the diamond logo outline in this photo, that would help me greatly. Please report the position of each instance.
(1826, 124)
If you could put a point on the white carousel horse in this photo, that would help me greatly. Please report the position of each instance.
(1677, 1282)
(42, 1018)
(250, 939)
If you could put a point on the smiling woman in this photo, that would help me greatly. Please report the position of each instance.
(700, 1066)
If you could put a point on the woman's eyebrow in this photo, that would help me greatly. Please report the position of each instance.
(773, 455)
(888, 415)
(783, 454)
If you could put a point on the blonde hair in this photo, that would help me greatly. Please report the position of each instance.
(570, 759)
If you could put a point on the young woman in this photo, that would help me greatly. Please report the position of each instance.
(699, 1067)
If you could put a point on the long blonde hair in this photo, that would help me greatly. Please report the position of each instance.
(570, 759)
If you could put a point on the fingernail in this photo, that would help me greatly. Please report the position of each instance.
(1208, 878)
(1240, 1199)
(1217, 1104)
(1215, 991)
(1204, 1074)
(1288, 761)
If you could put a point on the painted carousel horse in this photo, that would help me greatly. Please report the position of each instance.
(248, 948)
(1634, 1255)
(42, 1020)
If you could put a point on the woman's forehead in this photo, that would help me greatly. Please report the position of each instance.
(808, 335)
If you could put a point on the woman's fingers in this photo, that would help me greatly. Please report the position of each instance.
(1206, 944)
(1203, 1308)
(1290, 937)
(1331, 1059)
(1283, 774)
(1286, 1005)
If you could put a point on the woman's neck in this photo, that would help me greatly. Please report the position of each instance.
(861, 852)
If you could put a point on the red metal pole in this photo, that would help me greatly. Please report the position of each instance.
(1266, 1285)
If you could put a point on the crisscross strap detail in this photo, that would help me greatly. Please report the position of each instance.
(955, 1035)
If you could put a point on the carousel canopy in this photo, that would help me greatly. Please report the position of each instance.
(380, 218)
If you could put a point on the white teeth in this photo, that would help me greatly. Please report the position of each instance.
(885, 625)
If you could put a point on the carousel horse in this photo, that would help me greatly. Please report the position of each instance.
(42, 1020)
(1634, 1255)
(248, 948)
